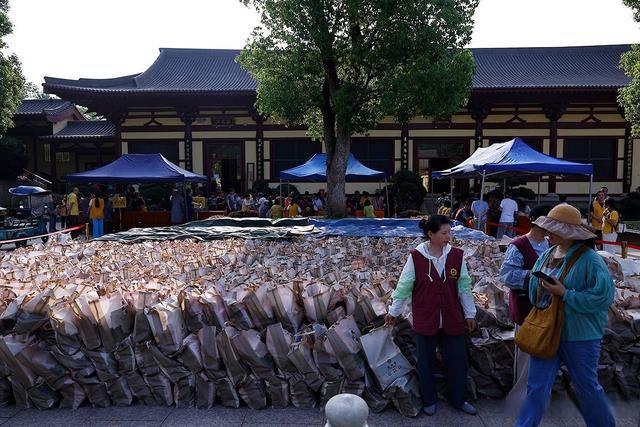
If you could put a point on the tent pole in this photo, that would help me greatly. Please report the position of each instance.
(590, 192)
(504, 185)
(539, 179)
(386, 189)
(281, 191)
(451, 189)
(184, 198)
(484, 174)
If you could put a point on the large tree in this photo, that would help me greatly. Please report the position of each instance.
(629, 96)
(11, 80)
(339, 66)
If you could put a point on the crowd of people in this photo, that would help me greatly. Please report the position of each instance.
(295, 205)
(553, 265)
(499, 214)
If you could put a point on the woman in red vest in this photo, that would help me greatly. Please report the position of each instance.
(436, 279)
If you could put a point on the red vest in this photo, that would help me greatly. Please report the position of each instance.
(436, 296)
(519, 303)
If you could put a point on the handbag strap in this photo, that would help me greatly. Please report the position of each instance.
(568, 266)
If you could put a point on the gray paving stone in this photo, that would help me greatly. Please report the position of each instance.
(62, 417)
(218, 415)
(128, 423)
(445, 416)
(288, 415)
(8, 411)
(128, 413)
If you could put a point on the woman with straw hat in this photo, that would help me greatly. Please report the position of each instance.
(587, 291)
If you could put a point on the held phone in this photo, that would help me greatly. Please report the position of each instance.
(543, 276)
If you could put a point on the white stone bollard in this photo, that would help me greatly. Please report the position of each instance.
(346, 410)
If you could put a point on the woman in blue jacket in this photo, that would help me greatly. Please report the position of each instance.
(587, 291)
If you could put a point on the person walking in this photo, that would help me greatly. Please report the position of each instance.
(96, 215)
(610, 219)
(177, 207)
(508, 212)
(586, 292)
(515, 272)
(73, 211)
(436, 279)
(480, 209)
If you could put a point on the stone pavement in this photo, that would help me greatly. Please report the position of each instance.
(491, 413)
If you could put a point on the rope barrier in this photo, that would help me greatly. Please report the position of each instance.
(79, 227)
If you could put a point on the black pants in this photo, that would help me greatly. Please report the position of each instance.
(454, 357)
(72, 221)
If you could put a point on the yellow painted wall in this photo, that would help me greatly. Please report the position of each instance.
(125, 147)
(181, 154)
(591, 132)
(250, 157)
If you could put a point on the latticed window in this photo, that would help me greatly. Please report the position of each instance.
(286, 154)
(61, 156)
(377, 154)
(599, 152)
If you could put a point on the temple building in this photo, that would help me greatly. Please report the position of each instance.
(196, 107)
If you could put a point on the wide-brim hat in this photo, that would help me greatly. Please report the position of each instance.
(565, 221)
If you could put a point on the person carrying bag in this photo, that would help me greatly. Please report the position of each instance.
(568, 321)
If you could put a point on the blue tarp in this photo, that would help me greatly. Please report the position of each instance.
(514, 158)
(315, 169)
(387, 227)
(133, 168)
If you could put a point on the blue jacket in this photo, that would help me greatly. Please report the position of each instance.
(590, 292)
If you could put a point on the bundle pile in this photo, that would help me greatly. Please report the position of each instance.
(267, 323)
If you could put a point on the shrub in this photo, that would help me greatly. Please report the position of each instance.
(262, 186)
(407, 190)
(629, 206)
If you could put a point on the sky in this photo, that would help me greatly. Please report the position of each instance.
(101, 39)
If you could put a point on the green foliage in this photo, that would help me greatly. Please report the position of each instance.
(286, 189)
(262, 186)
(340, 66)
(13, 157)
(33, 91)
(11, 80)
(629, 207)
(408, 191)
(523, 193)
(400, 58)
(629, 96)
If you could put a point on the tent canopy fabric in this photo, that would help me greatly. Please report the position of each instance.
(26, 190)
(514, 158)
(132, 168)
(315, 169)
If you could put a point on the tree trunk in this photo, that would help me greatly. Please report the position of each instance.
(337, 159)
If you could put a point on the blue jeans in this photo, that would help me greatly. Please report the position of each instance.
(581, 359)
(98, 228)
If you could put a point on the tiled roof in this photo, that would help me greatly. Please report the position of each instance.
(175, 70)
(42, 107)
(216, 71)
(89, 129)
(550, 67)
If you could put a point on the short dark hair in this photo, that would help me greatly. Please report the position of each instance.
(609, 201)
(433, 224)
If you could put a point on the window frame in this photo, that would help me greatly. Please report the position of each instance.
(389, 158)
(613, 158)
(273, 159)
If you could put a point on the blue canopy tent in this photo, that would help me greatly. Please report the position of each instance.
(315, 169)
(513, 158)
(131, 168)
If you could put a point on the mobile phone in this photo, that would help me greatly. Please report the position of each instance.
(543, 276)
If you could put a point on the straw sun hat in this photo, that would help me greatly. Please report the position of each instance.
(565, 221)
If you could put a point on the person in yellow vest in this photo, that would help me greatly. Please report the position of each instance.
(610, 219)
(368, 210)
(73, 211)
(595, 216)
(96, 215)
(275, 212)
(294, 209)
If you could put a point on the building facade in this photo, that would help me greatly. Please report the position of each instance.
(196, 107)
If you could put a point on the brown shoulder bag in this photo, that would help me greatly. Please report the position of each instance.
(540, 333)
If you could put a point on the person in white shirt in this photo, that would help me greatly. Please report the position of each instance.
(508, 213)
(480, 209)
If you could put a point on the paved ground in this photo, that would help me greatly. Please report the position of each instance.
(491, 413)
